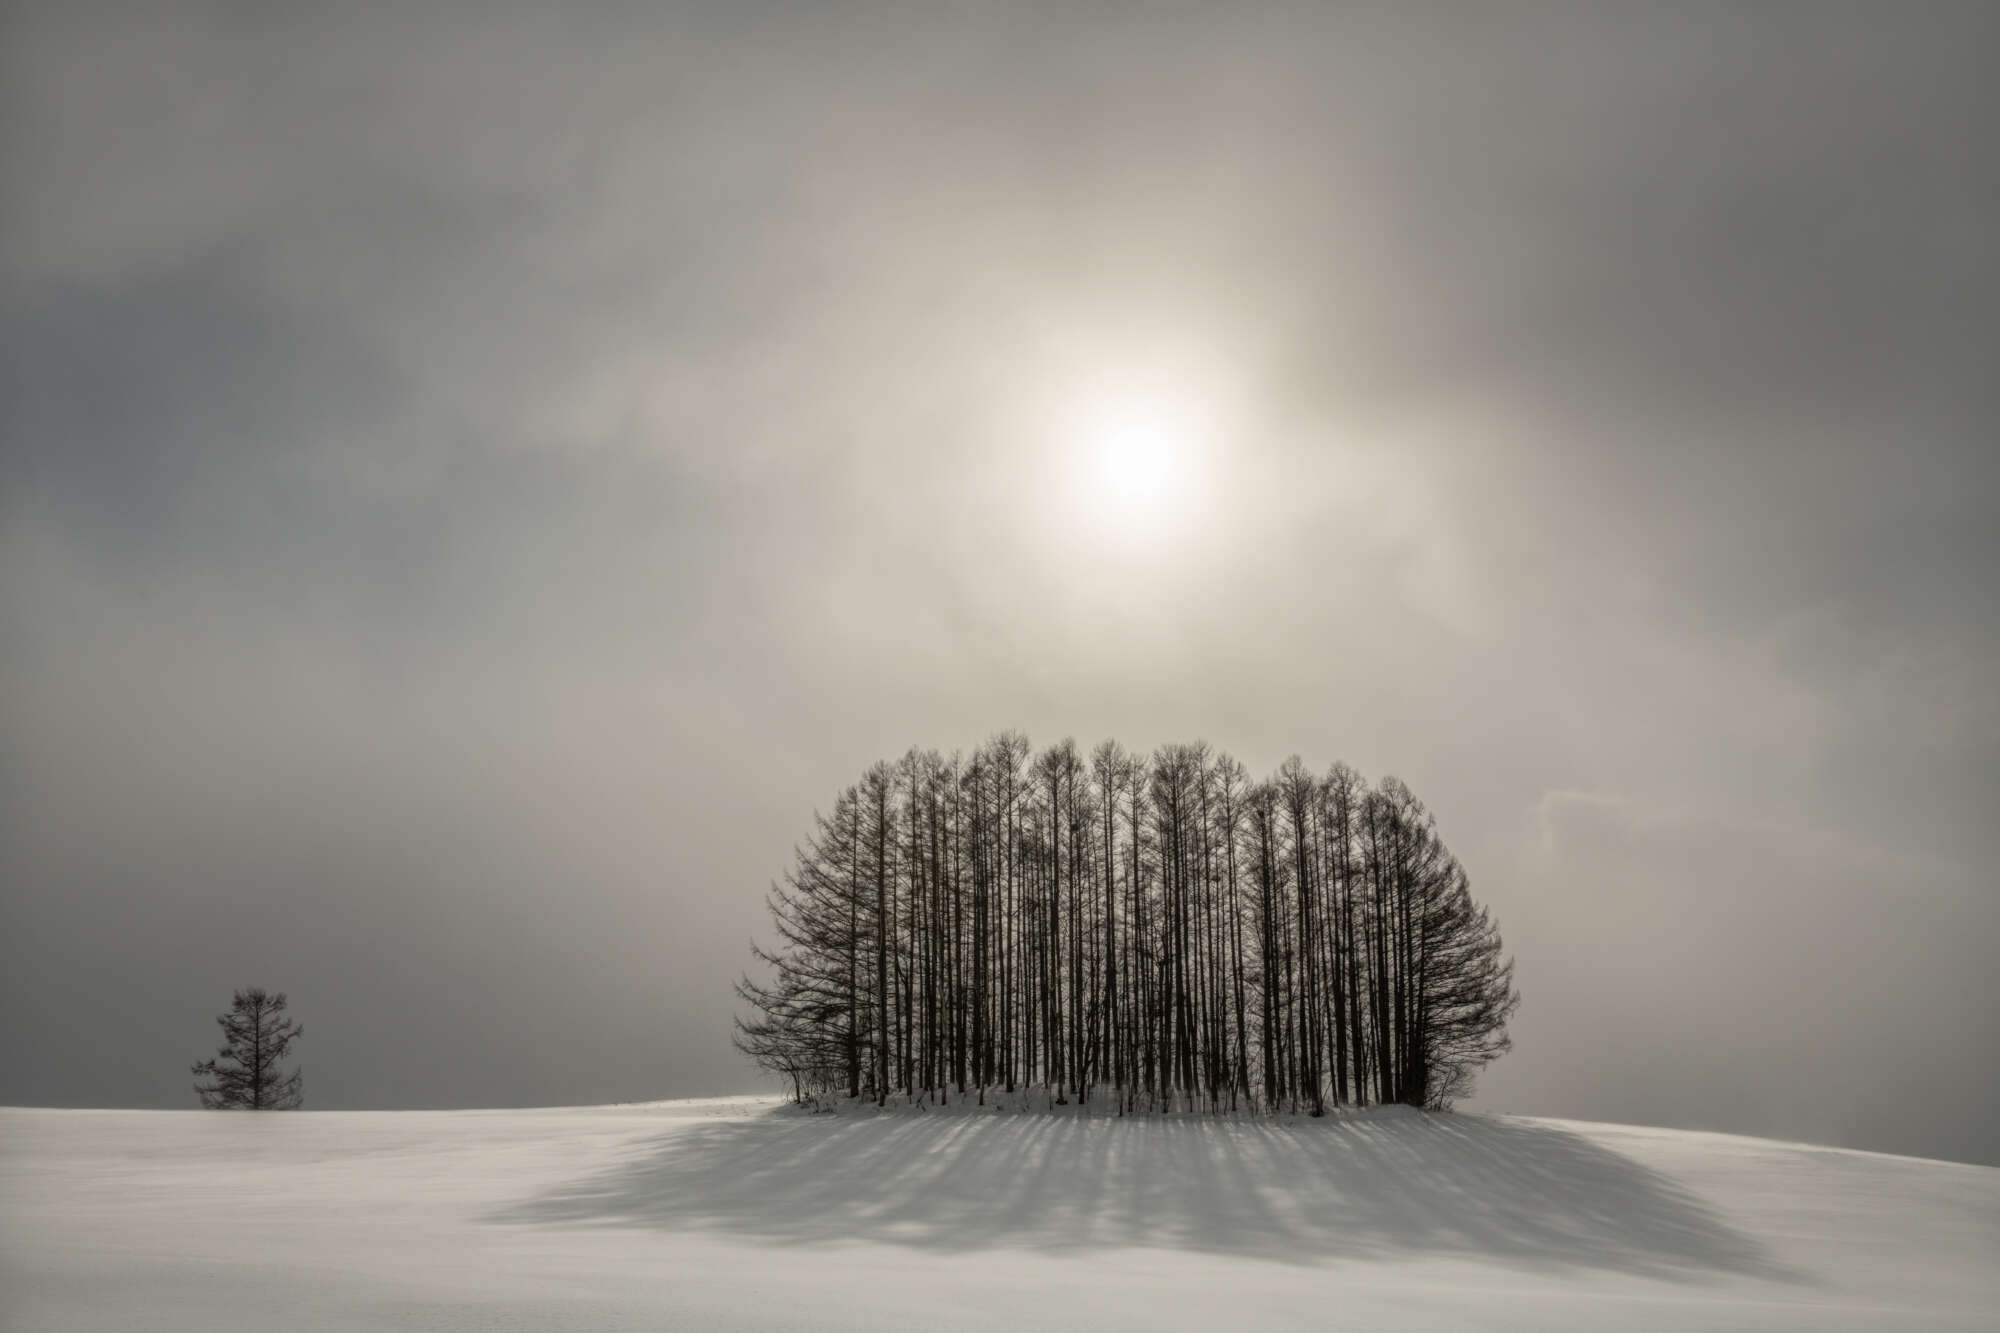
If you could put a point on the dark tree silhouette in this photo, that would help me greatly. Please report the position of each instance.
(246, 1074)
(1160, 928)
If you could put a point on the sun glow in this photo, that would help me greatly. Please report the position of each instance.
(1143, 446)
(1137, 461)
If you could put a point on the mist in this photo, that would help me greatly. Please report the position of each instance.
(475, 484)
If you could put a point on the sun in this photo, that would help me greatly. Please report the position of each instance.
(1140, 457)
(1138, 460)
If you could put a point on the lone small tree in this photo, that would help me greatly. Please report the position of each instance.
(245, 1073)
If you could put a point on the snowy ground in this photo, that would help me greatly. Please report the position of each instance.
(729, 1215)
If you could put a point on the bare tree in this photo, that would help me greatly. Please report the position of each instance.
(1162, 925)
(246, 1074)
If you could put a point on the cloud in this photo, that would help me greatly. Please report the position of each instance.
(1736, 974)
(474, 483)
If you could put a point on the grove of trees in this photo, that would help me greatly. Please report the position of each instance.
(247, 1073)
(1160, 931)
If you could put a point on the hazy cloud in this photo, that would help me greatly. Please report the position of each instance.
(474, 482)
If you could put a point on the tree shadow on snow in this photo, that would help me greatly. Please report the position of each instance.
(1405, 1187)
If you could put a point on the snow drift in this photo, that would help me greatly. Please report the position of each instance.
(738, 1214)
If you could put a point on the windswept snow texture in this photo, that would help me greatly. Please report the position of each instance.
(733, 1214)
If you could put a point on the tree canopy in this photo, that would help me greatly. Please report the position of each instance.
(1162, 928)
(247, 1073)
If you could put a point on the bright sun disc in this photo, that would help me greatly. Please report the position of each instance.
(1137, 462)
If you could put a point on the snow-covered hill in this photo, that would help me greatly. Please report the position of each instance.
(731, 1214)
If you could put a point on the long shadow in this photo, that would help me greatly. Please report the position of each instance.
(1523, 1194)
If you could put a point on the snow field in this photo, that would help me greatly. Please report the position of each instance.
(738, 1213)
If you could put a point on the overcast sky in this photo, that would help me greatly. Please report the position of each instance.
(475, 482)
